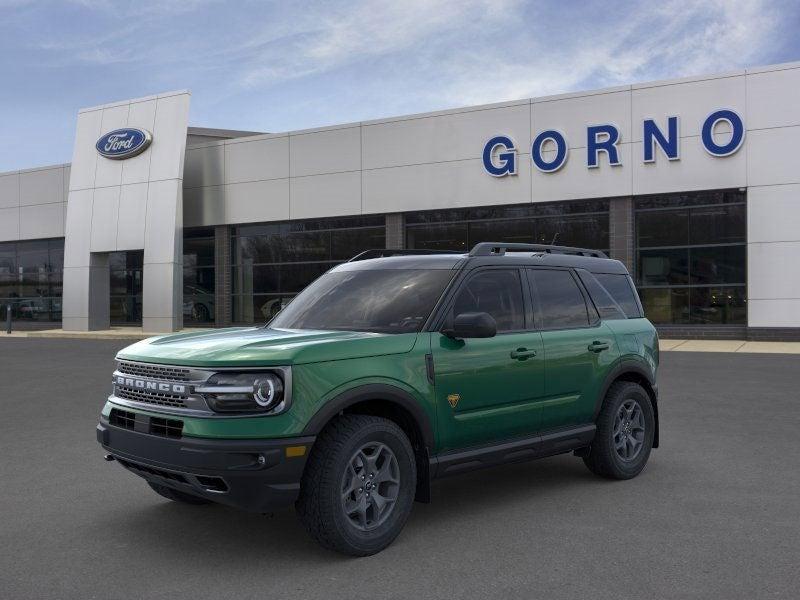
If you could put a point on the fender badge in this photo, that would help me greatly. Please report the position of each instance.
(453, 399)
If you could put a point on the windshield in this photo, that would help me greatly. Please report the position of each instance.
(383, 301)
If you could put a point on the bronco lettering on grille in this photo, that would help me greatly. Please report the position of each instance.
(155, 386)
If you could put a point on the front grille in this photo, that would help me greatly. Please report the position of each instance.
(172, 428)
(122, 418)
(159, 398)
(154, 371)
(145, 470)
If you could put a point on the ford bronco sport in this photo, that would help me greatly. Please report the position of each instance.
(387, 372)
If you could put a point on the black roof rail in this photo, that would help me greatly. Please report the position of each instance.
(383, 253)
(500, 248)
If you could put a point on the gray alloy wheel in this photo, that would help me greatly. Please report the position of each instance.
(626, 428)
(629, 430)
(358, 486)
(370, 486)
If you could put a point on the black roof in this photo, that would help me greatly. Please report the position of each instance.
(489, 253)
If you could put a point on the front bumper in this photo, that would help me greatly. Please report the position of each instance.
(255, 474)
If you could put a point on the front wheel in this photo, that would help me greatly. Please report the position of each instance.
(624, 437)
(358, 486)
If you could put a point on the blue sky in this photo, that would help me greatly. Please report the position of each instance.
(276, 66)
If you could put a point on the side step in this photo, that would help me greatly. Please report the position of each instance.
(539, 446)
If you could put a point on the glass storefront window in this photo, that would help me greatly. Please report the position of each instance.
(583, 224)
(126, 287)
(30, 279)
(273, 262)
(691, 263)
(199, 282)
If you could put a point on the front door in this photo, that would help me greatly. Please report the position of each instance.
(488, 389)
(579, 348)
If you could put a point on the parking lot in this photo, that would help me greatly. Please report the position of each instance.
(716, 514)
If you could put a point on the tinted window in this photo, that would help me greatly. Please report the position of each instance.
(383, 301)
(621, 290)
(497, 292)
(560, 299)
(605, 304)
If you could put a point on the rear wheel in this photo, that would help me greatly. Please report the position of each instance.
(358, 486)
(177, 496)
(624, 437)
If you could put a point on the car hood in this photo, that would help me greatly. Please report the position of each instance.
(259, 346)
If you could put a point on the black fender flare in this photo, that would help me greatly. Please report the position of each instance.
(623, 368)
(372, 391)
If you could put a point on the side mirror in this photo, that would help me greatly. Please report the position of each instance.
(472, 325)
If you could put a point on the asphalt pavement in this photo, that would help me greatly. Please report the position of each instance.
(716, 513)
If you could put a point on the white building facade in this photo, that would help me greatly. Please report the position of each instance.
(693, 183)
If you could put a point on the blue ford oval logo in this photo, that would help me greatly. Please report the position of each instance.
(123, 143)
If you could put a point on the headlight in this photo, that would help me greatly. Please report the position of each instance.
(243, 392)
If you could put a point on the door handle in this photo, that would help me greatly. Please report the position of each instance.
(522, 354)
(598, 346)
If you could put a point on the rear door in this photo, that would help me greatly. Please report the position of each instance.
(488, 389)
(579, 348)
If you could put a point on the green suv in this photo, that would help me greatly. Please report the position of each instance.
(387, 372)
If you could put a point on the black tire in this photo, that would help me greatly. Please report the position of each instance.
(603, 458)
(320, 505)
(177, 496)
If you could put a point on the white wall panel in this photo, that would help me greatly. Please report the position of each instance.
(41, 221)
(204, 206)
(777, 312)
(84, 156)
(109, 171)
(773, 99)
(692, 101)
(141, 115)
(572, 115)
(162, 234)
(9, 190)
(327, 151)
(329, 195)
(575, 180)
(772, 271)
(169, 137)
(696, 170)
(78, 228)
(204, 166)
(131, 219)
(76, 290)
(9, 224)
(442, 185)
(258, 160)
(43, 186)
(443, 138)
(105, 214)
(773, 214)
(257, 201)
(773, 156)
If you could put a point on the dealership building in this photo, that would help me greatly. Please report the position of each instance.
(693, 183)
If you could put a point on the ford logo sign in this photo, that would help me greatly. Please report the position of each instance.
(123, 143)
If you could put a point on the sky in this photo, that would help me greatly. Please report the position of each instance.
(283, 65)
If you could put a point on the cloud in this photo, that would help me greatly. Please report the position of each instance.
(325, 39)
(275, 65)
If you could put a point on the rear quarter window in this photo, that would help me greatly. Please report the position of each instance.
(621, 289)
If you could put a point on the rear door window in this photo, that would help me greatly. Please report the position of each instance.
(494, 291)
(560, 300)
